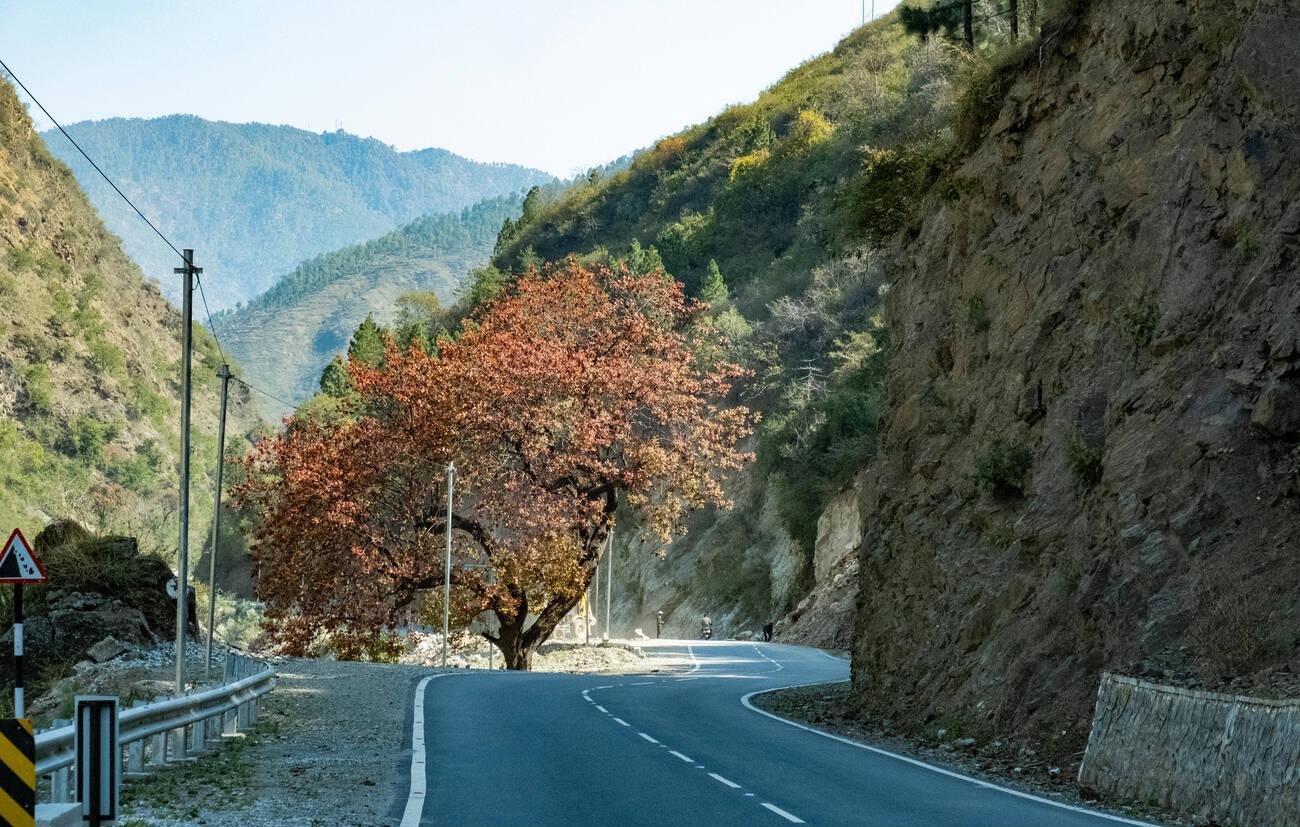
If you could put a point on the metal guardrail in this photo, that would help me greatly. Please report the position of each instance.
(171, 729)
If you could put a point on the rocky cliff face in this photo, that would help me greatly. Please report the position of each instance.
(1091, 458)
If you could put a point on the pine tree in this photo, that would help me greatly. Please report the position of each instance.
(714, 288)
(367, 343)
(334, 380)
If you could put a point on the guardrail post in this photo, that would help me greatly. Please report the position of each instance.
(59, 780)
(158, 750)
(135, 752)
(197, 742)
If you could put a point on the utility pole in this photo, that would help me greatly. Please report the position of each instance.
(609, 579)
(189, 271)
(446, 575)
(224, 375)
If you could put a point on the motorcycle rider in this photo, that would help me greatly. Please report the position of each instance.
(706, 628)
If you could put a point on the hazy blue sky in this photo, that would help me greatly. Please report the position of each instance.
(557, 85)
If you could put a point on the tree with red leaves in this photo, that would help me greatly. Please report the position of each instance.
(575, 391)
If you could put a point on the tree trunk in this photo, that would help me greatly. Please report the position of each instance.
(517, 644)
(1033, 17)
(510, 640)
(1015, 20)
(968, 22)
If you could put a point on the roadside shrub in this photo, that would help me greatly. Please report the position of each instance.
(888, 188)
(810, 128)
(87, 437)
(1085, 463)
(1140, 324)
(40, 395)
(746, 164)
(1001, 469)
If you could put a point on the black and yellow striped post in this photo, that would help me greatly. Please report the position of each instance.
(17, 773)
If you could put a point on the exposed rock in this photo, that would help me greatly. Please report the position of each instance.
(839, 532)
(107, 649)
(1277, 410)
(79, 620)
(1148, 230)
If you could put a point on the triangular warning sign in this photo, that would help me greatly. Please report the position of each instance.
(18, 563)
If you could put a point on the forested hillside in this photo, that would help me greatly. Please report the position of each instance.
(256, 200)
(770, 211)
(90, 366)
(284, 337)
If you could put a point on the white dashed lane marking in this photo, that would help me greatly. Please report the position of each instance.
(647, 737)
(598, 706)
(685, 758)
(732, 784)
(622, 722)
(783, 814)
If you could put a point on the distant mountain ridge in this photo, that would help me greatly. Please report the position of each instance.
(255, 200)
(286, 336)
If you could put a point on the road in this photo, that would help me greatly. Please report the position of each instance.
(678, 748)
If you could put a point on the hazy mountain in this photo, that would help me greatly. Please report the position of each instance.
(255, 200)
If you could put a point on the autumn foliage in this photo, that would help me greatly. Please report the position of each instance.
(574, 392)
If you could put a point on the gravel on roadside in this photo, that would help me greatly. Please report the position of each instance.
(329, 749)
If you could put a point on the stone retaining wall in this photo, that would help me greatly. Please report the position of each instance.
(1231, 759)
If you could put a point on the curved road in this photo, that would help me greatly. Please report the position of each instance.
(678, 747)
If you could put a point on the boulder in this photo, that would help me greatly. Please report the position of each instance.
(1277, 410)
(60, 533)
(107, 649)
(78, 621)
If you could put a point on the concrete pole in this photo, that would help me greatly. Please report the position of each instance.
(189, 271)
(224, 375)
(446, 575)
(609, 579)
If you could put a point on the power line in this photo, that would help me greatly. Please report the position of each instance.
(91, 161)
(211, 326)
(267, 394)
(198, 281)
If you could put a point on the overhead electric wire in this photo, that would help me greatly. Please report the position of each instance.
(212, 327)
(90, 160)
(198, 281)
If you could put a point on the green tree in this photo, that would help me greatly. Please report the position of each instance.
(367, 343)
(714, 288)
(642, 260)
(334, 380)
(942, 16)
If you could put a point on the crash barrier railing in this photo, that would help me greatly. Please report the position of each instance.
(153, 734)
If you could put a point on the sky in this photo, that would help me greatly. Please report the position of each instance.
(562, 86)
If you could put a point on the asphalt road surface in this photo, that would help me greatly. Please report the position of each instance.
(678, 747)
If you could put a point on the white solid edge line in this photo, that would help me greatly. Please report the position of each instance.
(690, 650)
(914, 762)
(782, 813)
(419, 779)
(732, 784)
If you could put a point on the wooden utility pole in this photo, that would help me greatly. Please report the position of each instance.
(224, 375)
(188, 271)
